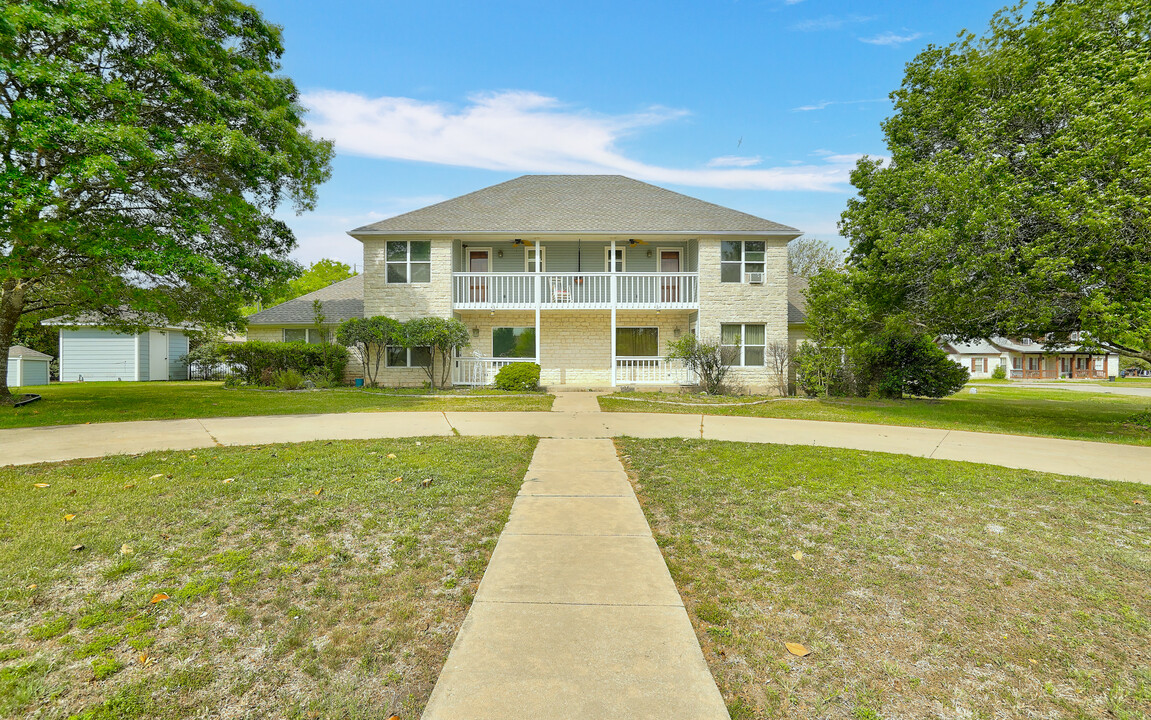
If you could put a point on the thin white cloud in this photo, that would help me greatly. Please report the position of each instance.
(829, 103)
(891, 39)
(830, 22)
(522, 131)
(734, 161)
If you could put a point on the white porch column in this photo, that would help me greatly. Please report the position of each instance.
(611, 279)
(136, 362)
(539, 301)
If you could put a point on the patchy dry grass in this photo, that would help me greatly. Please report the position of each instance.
(925, 588)
(993, 408)
(310, 585)
(71, 403)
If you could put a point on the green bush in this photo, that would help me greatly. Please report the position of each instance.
(259, 361)
(999, 373)
(519, 376)
(903, 360)
(288, 380)
(820, 372)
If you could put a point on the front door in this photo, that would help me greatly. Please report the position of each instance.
(669, 286)
(478, 263)
(157, 355)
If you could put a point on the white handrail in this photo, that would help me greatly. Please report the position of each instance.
(575, 290)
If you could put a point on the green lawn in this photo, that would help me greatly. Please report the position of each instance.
(65, 404)
(313, 584)
(924, 589)
(993, 408)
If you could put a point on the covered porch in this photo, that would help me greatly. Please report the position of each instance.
(588, 348)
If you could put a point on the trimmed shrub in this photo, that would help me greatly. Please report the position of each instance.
(519, 376)
(259, 361)
(288, 380)
(999, 373)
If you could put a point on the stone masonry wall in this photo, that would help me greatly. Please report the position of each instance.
(408, 300)
(721, 303)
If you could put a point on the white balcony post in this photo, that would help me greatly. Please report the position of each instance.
(611, 279)
(539, 302)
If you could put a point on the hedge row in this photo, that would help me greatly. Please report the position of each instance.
(258, 361)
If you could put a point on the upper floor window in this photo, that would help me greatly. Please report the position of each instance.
(739, 258)
(743, 344)
(530, 255)
(620, 259)
(308, 335)
(408, 261)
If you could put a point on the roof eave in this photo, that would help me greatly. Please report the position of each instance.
(790, 233)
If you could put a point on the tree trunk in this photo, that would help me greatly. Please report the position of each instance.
(11, 307)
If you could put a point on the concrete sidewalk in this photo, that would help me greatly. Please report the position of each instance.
(1105, 461)
(576, 616)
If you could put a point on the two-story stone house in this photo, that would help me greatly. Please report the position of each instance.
(591, 276)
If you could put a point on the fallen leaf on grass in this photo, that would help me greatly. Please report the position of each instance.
(391, 456)
(67, 518)
(33, 586)
(77, 548)
(158, 597)
(70, 492)
(797, 649)
(397, 479)
(156, 476)
(126, 549)
(144, 659)
(426, 482)
(228, 480)
(129, 486)
(1140, 502)
(41, 485)
(317, 492)
(798, 555)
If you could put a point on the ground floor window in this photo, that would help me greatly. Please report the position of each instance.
(978, 365)
(743, 344)
(398, 357)
(637, 342)
(514, 342)
(308, 335)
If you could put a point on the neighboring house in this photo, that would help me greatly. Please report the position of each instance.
(89, 352)
(1027, 359)
(27, 367)
(591, 276)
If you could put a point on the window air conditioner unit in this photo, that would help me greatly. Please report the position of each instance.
(755, 278)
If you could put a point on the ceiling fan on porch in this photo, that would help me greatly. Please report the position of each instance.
(632, 242)
(517, 241)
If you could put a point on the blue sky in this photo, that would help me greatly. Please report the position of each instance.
(762, 106)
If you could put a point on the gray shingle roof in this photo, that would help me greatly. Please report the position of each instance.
(575, 204)
(796, 301)
(21, 351)
(342, 301)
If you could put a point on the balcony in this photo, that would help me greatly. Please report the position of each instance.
(575, 291)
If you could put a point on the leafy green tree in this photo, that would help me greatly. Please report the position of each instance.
(1017, 200)
(443, 337)
(807, 256)
(369, 338)
(146, 148)
(317, 276)
(705, 357)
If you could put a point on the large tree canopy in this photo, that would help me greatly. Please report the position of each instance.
(1016, 200)
(145, 147)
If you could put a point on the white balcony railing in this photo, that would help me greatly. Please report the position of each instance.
(652, 371)
(480, 371)
(575, 291)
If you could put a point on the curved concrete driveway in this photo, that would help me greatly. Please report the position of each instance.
(1069, 457)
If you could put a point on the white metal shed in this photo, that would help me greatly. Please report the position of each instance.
(27, 367)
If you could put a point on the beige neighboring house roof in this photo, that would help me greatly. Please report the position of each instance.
(996, 345)
(576, 204)
(21, 351)
(796, 300)
(342, 301)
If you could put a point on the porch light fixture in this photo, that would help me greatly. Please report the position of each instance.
(676, 331)
(476, 331)
(492, 313)
(649, 253)
(499, 253)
